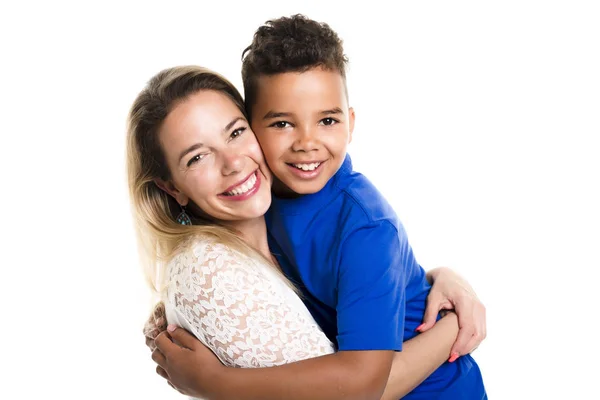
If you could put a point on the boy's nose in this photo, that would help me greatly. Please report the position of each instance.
(306, 140)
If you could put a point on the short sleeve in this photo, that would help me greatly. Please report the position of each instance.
(374, 264)
(240, 309)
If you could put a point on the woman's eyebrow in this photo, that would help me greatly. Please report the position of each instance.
(231, 124)
(190, 149)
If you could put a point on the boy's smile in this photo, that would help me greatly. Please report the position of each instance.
(306, 170)
(304, 124)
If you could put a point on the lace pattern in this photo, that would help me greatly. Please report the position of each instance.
(241, 309)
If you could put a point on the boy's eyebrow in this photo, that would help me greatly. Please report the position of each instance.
(335, 110)
(273, 114)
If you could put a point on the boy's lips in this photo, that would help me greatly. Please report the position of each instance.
(243, 189)
(306, 169)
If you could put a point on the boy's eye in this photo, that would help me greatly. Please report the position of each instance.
(280, 124)
(328, 121)
(195, 159)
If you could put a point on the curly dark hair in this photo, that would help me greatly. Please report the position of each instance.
(290, 44)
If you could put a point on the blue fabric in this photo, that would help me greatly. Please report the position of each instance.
(346, 249)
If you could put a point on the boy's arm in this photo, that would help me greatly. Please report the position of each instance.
(234, 332)
(196, 372)
(376, 271)
(421, 356)
(373, 263)
(370, 295)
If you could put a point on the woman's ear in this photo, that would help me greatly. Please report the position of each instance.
(169, 188)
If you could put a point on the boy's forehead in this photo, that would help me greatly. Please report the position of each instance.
(316, 84)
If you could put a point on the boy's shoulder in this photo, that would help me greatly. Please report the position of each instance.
(364, 202)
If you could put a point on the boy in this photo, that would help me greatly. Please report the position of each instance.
(333, 233)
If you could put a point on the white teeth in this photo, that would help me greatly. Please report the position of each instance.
(244, 187)
(307, 167)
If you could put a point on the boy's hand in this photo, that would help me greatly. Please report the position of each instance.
(188, 365)
(450, 291)
(156, 323)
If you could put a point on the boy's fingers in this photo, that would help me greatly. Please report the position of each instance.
(182, 337)
(152, 331)
(180, 391)
(159, 358)
(164, 344)
(160, 370)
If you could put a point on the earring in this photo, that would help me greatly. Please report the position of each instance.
(183, 218)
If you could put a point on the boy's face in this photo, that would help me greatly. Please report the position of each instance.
(304, 124)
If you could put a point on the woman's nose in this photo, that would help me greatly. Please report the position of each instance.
(232, 163)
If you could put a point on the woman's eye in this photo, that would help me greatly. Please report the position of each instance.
(195, 159)
(328, 121)
(237, 132)
(281, 124)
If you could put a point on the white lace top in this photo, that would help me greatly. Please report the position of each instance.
(240, 308)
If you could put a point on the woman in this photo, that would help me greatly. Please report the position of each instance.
(204, 227)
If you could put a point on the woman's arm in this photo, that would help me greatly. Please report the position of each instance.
(452, 292)
(420, 357)
(242, 311)
(251, 338)
(193, 370)
(238, 312)
(344, 375)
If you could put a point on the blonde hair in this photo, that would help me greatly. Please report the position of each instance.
(154, 211)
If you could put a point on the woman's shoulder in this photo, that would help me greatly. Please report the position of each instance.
(201, 252)
(197, 262)
(199, 245)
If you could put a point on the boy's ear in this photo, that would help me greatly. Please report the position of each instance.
(169, 188)
(351, 122)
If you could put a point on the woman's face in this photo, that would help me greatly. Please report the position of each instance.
(214, 158)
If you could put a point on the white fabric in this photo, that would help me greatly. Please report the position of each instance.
(240, 308)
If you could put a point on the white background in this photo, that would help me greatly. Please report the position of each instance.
(478, 121)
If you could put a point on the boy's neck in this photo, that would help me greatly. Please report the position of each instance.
(281, 190)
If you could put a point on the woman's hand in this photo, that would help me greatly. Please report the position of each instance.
(450, 291)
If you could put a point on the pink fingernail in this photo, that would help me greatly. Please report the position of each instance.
(420, 327)
(171, 328)
(453, 357)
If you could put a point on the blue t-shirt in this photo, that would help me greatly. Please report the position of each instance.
(345, 248)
